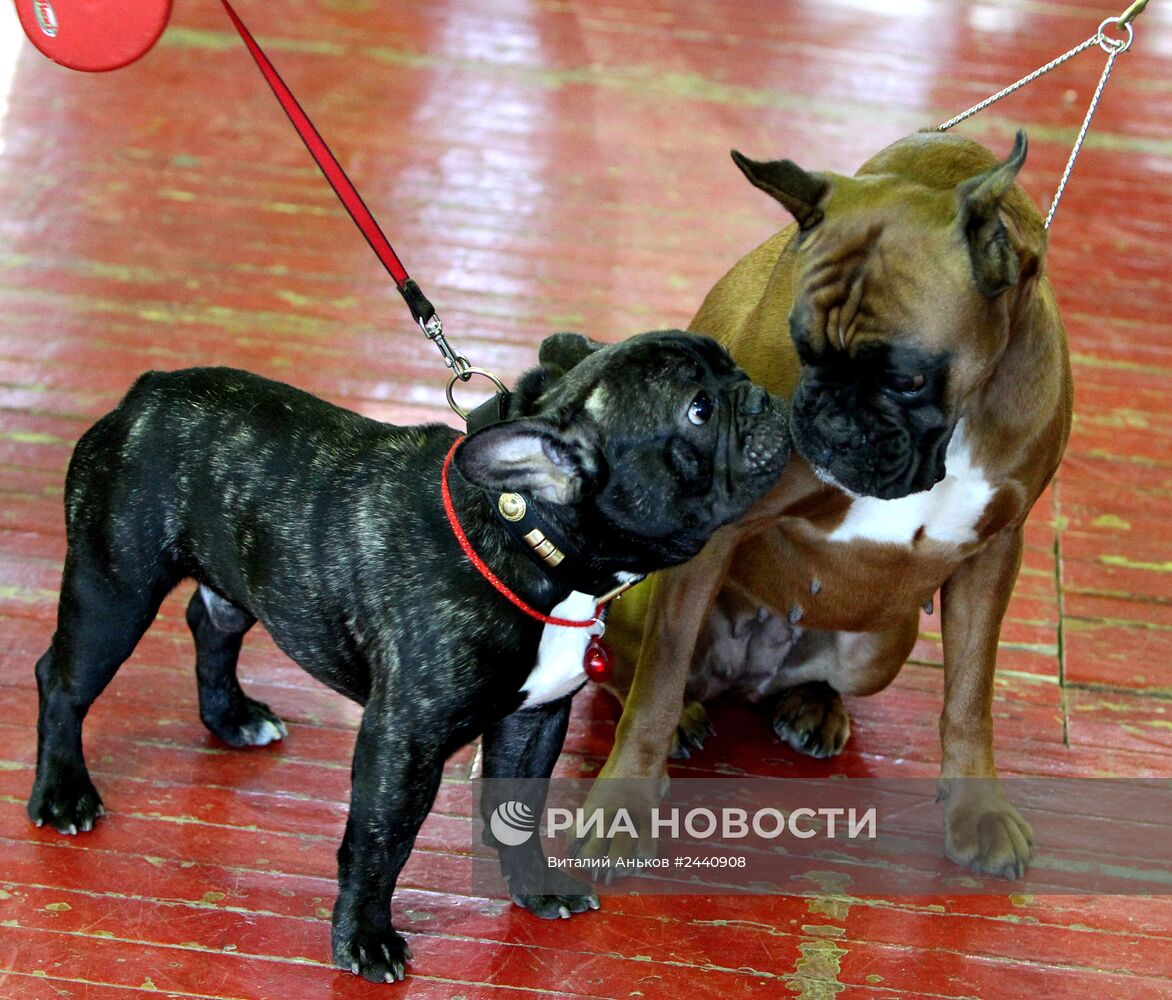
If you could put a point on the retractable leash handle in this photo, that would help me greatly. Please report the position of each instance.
(93, 35)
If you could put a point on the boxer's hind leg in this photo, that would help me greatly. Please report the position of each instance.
(693, 731)
(812, 719)
(808, 714)
(218, 627)
(104, 610)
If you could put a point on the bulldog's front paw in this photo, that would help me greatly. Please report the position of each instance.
(377, 954)
(812, 719)
(624, 805)
(247, 723)
(982, 829)
(67, 802)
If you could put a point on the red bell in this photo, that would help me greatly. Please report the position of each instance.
(599, 661)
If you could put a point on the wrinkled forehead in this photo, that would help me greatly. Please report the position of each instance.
(896, 268)
(898, 220)
(676, 356)
(649, 374)
(658, 359)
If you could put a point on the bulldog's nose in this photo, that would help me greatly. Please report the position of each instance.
(753, 401)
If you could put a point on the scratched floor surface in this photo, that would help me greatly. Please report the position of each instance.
(544, 165)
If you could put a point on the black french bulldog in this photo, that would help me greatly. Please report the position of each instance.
(328, 528)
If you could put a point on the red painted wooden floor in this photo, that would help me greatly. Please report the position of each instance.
(547, 165)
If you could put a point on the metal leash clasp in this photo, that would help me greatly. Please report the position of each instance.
(1130, 14)
(433, 329)
(462, 370)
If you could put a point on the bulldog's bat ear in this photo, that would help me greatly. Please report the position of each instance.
(995, 263)
(528, 456)
(562, 351)
(802, 193)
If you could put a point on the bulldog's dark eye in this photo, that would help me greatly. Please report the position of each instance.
(700, 412)
(909, 385)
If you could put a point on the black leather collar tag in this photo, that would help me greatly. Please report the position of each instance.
(491, 411)
(558, 556)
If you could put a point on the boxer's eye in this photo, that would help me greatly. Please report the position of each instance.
(908, 385)
(700, 412)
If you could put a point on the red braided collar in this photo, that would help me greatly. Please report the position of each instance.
(482, 566)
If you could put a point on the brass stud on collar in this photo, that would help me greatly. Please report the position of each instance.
(511, 506)
(544, 548)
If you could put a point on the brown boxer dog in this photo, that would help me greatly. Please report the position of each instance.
(908, 315)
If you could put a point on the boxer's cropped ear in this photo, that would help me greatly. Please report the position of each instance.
(995, 263)
(802, 193)
(531, 457)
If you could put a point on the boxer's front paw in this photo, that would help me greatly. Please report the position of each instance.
(378, 954)
(812, 719)
(632, 801)
(982, 829)
(248, 723)
(67, 801)
(690, 734)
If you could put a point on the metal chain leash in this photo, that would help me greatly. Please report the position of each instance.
(1113, 46)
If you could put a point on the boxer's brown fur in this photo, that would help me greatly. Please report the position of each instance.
(911, 252)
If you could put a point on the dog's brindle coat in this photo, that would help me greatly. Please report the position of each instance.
(909, 318)
(327, 527)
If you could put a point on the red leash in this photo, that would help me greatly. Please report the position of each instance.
(342, 185)
(417, 302)
(598, 661)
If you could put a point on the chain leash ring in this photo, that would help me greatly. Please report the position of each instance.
(1115, 46)
(464, 376)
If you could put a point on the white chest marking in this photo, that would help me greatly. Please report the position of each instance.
(948, 512)
(559, 671)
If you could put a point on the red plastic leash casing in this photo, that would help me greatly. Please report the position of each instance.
(93, 35)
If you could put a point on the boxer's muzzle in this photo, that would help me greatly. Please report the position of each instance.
(868, 447)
